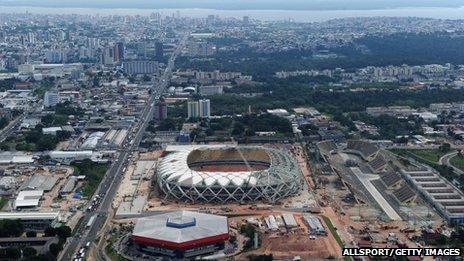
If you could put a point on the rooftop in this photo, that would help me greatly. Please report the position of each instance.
(181, 226)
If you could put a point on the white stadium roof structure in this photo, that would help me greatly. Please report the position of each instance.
(266, 174)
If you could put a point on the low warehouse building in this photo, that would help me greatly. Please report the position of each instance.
(37, 221)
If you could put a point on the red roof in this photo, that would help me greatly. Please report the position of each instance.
(180, 246)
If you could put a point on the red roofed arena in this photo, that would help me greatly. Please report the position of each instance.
(181, 234)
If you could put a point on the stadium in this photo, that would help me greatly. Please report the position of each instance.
(218, 173)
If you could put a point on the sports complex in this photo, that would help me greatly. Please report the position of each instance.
(221, 173)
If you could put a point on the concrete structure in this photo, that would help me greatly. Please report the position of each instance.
(50, 99)
(364, 149)
(181, 234)
(439, 192)
(314, 224)
(71, 155)
(159, 51)
(25, 241)
(205, 110)
(193, 109)
(220, 173)
(289, 220)
(279, 112)
(28, 199)
(16, 158)
(51, 130)
(161, 112)
(92, 141)
(211, 90)
(140, 67)
(37, 221)
(40, 182)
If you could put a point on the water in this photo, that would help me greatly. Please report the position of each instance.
(267, 15)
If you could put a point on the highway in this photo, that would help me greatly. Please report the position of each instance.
(111, 181)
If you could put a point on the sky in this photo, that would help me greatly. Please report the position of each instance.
(239, 4)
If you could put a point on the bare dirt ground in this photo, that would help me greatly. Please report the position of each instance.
(295, 242)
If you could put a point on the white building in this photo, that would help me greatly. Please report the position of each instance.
(193, 109)
(71, 155)
(205, 111)
(51, 130)
(50, 99)
(211, 90)
(140, 67)
(199, 109)
(28, 198)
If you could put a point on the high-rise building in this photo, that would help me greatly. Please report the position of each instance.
(193, 109)
(54, 56)
(205, 111)
(246, 20)
(107, 56)
(118, 52)
(140, 67)
(50, 99)
(159, 51)
(161, 111)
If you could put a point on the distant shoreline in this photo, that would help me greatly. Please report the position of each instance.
(267, 15)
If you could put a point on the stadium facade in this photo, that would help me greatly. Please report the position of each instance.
(218, 173)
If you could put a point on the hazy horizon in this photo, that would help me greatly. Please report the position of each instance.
(238, 4)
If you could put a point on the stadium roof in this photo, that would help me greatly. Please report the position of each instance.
(180, 173)
(174, 166)
(180, 229)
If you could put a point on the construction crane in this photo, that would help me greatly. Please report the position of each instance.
(241, 154)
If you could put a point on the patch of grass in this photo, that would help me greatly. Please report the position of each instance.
(445, 171)
(426, 155)
(333, 231)
(111, 252)
(93, 172)
(335, 234)
(3, 202)
(458, 161)
(45, 86)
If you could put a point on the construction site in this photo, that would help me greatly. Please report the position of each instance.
(353, 194)
(295, 218)
(381, 199)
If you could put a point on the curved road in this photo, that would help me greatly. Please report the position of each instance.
(445, 160)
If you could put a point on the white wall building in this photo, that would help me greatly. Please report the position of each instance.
(50, 99)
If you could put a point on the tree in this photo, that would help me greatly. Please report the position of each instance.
(63, 232)
(11, 228)
(10, 253)
(233, 239)
(445, 147)
(46, 142)
(3, 122)
(49, 232)
(55, 249)
(29, 252)
(31, 233)
(63, 135)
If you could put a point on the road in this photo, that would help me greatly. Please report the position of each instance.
(14, 125)
(110, 183)
(445, 160)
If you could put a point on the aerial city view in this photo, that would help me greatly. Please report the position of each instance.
(201, 130)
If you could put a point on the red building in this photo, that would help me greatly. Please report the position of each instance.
(181, 234)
